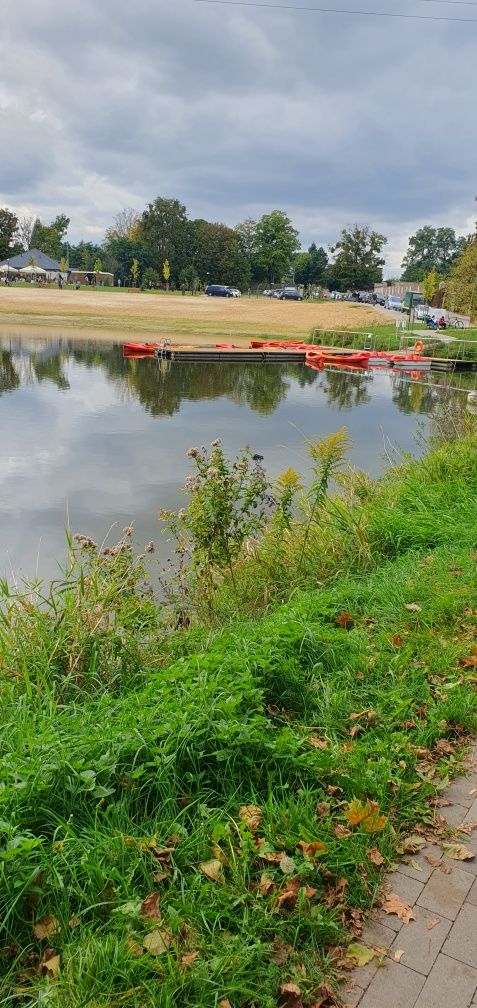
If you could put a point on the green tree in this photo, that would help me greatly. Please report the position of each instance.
(33, 262)
(215, 254)
(63, 264)
(49, 237)
(8, 227)
(310, 266)
(97, 266)
(163, 232)
(118, 254)
(430, 286)
(358, 263)
(188, 278)
(461, 284)
(150, 278)
(276, 244)
(431, 249)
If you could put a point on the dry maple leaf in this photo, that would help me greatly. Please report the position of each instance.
(443, 746)
(432, 923)
(318, 742)
(251, 815)
(457, 852)
(50, 964)
(393, 904)
(281, 951)
(213, 870)
(266, 884)
(375, 856)
(365, 815)
(46, 927)
(150, 906)
(341, 831)
(188, 959)
(157, 942)
(290, 996)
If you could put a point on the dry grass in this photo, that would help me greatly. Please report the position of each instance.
(134, 312)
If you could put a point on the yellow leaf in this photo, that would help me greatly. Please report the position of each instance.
(398, 955)
(360, 953)
(213, 870)
(457, 852)
(157, 942)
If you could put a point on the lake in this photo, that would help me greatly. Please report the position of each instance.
(92, 442)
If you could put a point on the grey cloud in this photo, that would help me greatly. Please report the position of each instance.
(333, 118)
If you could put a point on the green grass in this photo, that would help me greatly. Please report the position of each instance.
(385, 337)
(117, 737)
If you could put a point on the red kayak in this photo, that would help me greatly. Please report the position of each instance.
(140, 349)
(359, 359)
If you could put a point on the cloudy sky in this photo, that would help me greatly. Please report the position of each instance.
(238, 110)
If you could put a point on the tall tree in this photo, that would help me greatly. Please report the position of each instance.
(276, 244)
(8, 227)
(125, 225)
(163, 232)
(357, 261)
(24, 231)
(461, 284)
(431, 249)
(215, 253)
(310, 266)
(118, 254)
(49, 238)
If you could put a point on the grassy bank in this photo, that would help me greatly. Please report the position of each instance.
(200, 817)
(386, 337)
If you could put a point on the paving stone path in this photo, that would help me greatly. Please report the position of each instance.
(438, 965)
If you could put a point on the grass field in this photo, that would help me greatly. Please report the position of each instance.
(200, 819)
(149, 314)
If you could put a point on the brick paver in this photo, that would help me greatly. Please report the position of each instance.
(436, 964)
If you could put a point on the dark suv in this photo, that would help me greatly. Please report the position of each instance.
(290, 294)
(218, 290)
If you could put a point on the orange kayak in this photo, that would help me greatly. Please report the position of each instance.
(140, 349)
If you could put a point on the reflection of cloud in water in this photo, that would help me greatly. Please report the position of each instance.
(104, 440)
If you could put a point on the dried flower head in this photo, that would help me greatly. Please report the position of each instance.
(193, 453)
(217, 443)
(149, 548)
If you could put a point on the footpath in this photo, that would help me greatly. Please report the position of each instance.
(426, 957)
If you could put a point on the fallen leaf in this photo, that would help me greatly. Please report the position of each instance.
(46, 927)
(134, 947)
(345, 620)
(375, 856)
(266, 884)
(413, 607)
(281, 952)
(435, 862)
(50, 964)
(398, 955)
(457, 852)
(318, 742)
(323, 808)
(355, 731)
(159, 876)
(150, 906)
(361, 954)
(157, 942)
(432, 923)
(188, 959)
(310, 850)
(291, 996)
(413, 844)
(335, 893)
(225, 1003)
(396, 640)
(393, 904)
(369, 714)
(469, 662)
(213, 870)
(74, 922)
(367, 815)
(341, 831)
(332, 789)
(443, 746)
(251, 815)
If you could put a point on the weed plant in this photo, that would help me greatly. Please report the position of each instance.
(196, 818)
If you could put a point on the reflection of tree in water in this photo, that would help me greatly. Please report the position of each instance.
(51, 369)
(412, 396)
(346, 390)
(9, 377)
(161, 386)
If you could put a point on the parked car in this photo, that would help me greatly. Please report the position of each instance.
(422, 311)
(218, 290)
(235, 292)
(411, 297)
(380, 299)
(393, 302)
(290, 294)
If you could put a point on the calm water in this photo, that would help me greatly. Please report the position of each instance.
(91, 441)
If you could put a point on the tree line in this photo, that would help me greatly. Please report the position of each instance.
(163, 246)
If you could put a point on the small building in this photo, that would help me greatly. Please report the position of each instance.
(96, 278)
(44, 261)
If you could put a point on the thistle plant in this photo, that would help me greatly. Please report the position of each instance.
(229, 504)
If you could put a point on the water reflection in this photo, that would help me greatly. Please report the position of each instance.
(91, 440)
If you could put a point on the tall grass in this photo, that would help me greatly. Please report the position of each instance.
(161, 790)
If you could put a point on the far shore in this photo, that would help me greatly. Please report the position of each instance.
(112, 315)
